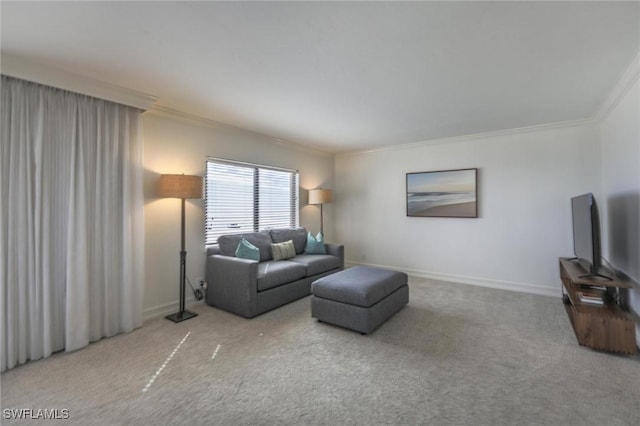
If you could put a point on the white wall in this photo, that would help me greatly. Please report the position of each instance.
(176, 144)
(620, 200)
(526, 180)
(620, 135)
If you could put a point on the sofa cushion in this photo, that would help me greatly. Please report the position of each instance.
(274, 273)
(229, 243)
(246, 250)
(315, 245)
(282, 251)
(298, 235)
(317, 263)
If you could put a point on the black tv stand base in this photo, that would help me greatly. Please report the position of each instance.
(589, 275)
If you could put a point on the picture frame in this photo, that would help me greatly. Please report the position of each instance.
(443, 193)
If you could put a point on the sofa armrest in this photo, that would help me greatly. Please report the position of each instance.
(232, 284)
(336, 250)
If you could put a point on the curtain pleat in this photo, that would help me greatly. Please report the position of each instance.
(71, 223)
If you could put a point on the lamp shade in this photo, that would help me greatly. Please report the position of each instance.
(319, 196)
(180, 186)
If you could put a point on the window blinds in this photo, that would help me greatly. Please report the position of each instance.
(242, 198)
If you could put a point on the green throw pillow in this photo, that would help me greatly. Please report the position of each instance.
(246, 250)
(283, 251)
(315, 245)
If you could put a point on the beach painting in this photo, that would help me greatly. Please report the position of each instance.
(446, 193)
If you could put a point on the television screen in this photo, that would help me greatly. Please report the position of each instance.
(586, 232)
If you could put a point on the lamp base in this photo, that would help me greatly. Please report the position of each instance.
(181, 316)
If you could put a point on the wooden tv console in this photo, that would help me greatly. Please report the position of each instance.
(606, 327)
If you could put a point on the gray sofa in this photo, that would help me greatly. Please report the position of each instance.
(249, 288)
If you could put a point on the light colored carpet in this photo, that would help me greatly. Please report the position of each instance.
(456, 355)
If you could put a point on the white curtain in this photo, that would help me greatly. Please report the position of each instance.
(71, 222)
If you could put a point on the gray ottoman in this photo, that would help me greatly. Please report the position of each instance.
(359, 298)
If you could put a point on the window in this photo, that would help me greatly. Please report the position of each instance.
(242, 197)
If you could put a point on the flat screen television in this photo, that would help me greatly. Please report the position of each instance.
(586, 234)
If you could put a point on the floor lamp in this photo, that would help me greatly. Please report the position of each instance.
(320, 196)
(181, 186)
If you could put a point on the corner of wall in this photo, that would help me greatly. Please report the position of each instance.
(628, 78)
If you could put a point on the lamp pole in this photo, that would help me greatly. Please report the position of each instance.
(181, 186)
(183, 262)
(183, 314)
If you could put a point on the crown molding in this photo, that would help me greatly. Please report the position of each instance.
(474, 136)
(21, 68)
(625, 83)
(203, 121)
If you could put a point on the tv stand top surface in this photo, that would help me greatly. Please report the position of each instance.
(580, 275)
(597, 277)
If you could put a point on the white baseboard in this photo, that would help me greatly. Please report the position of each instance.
(463, 279)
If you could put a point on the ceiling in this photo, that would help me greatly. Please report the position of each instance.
(343, 76)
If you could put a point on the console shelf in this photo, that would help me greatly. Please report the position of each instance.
(606, 327)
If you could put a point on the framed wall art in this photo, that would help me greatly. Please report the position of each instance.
(443, 193)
